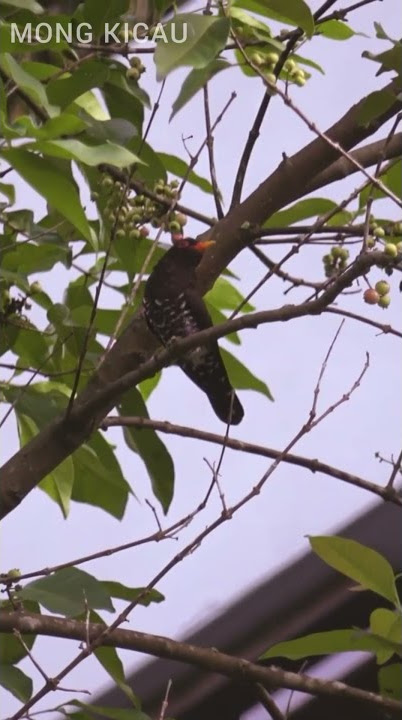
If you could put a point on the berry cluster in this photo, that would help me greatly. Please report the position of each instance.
(378, 295)
(132, 212)
(291, 72)
(335, 261)
(136, 68)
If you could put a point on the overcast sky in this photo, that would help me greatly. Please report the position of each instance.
(272, 529)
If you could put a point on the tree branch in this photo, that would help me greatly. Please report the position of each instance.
(207, 658)
(311, 464)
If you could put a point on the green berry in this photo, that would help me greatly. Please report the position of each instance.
(14, 573)
(382, 287)
(181, 218)
(384, 301)
(370, 241)
(391, 250)
(272, 58)
(398, 228)
(174, 226)
(257, 59)
(290, 65)
(35, 287)
(134, 234)
(379, 231)
(336, 252)
(133, 73)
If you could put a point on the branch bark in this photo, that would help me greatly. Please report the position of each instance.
(209, 659)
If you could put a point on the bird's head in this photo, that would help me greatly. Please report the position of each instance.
(185, 242)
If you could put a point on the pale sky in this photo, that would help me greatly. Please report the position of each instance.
(271, 530)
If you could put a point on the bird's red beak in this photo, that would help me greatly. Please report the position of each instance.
(204, 245)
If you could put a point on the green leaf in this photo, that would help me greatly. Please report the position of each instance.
(11, 650)
(336, 30)
(392, 178)
(16, 682)
(92, 155)
(123, 104)
(386, 624)
(58, 190)
(374, 105)
(101, 482)
(99, 12)
(195, 81)
(111, 712)
(226, 296)
(41, 401)
(30, 5)
(312, 207)
(324, 643)
(206, 37)
(178, 167)
(152, 168)
(146, 387)
(68, 592)
(29, 258)
(293, 12)
(150, 447)
(8, 191)
(390, 681)
(241, 377)
(146, 596)
(59, 485)
(90, 74)
(26, 82)
(358, 562)
(390, 59)
(218, 317)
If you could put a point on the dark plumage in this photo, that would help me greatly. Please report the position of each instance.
(174, 308)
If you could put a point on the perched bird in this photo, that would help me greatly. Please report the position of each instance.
(174, 308)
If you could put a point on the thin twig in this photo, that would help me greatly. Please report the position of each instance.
(210, 148)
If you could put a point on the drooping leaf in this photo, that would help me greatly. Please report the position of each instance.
(11, 650)
(195, 81)
(68, 592)
(241, 377)
(206, 37)
(226, 296)
(26, 82)
(16, 682)
(100, 481)
(150, 447)
(59, 191)
(358, 562)
(30, 5)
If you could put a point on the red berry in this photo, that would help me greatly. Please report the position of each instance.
(371, 296)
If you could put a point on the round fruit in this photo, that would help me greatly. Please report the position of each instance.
(384, 301)
(174, 226)
(399, 248)
(35, 287)
(336, 252)
(398, 228)
(272, 58)
(133, 73)
(370, 241)
(181, 218)
(257, 59)
(144, 232)
(290, 65)
(382, 287)
(391, 250)
(379, 232)
(271, 78)
(371, 296)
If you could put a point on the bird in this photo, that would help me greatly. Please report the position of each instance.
(174, 308)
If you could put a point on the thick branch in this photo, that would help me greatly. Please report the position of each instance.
(366, 156)
(207, 658)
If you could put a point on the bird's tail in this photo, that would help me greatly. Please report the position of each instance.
(206, 369)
